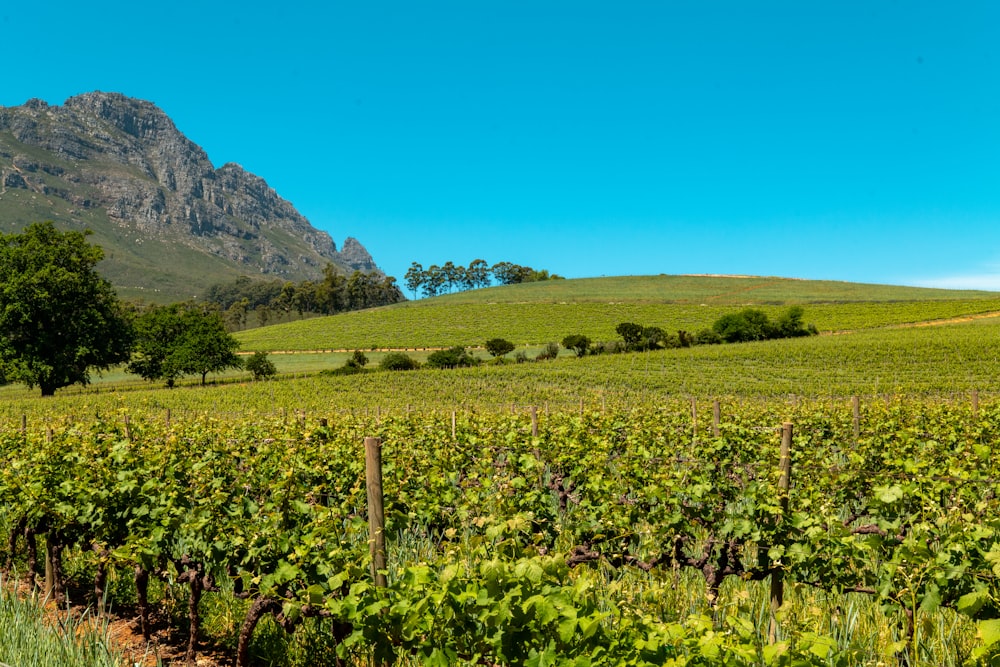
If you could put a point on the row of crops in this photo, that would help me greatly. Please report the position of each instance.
(647, 536)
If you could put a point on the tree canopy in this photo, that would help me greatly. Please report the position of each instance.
(59, 319)
(177, 340)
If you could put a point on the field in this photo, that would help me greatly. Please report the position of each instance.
(614, 509)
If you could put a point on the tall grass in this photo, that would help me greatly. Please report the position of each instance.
(31, 637)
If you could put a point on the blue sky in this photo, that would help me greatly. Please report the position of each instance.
(849, 140)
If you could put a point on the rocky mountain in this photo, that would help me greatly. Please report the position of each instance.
(170, 223)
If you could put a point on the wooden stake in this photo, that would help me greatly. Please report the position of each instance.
(716, 417)
(376, 514)
(777, 574)
(856, 406)
(534, 421)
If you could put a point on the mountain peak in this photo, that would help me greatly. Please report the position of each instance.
(170, 222)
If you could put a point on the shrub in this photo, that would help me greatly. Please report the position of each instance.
(608, 347)
(520, 356)
(451, 358)
(260, 366)
(576, 342)
(357, 359)
(747, 325)
(550, 351)
(707, 337)
(398, 361)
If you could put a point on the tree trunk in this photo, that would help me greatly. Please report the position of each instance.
(193, 619)
(142, 599)
(31, 545)
(259, 608)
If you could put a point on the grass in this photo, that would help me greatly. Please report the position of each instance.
(32, 637)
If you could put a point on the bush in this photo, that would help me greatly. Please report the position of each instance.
(550, 351)
(747, 325)
(576, 342)
(608, 347)
(451, 358)
(358, 359)
(707, 337)
(398, 361)
(520, 356)
(260, 366)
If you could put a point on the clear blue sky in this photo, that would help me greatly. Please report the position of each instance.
(853, 140)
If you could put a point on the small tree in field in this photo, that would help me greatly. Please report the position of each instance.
(578, 343)
(260, 366)
(498, 347)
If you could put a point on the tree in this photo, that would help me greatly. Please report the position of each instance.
(631, 333)
(498, 347)
(58, 318)
(578, 343)
(260, 366)
(414, 278)
(434, 280)
(477, 274)
(177, 340)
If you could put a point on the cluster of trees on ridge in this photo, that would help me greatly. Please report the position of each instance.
(244, 301)
(435, 280)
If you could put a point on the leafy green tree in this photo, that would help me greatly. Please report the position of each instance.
(398, 361)
(477, 274)
(414, 278)
(578, 343)
(58, 318)
(177, 340)
(631, 333)
(260, 366)
(498, 347)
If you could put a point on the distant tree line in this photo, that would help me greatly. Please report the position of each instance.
(448, 277)
(245, 301)
(749, 324)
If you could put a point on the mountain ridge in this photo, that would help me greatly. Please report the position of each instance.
(171, 223)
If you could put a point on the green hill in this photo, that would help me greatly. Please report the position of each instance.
(535, 313)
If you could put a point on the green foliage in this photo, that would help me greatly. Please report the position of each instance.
(576, 342)
(630, 332)
(398, 361)
(260, 366)
(58, 318)
(752, 324)
(453, 357)
(549, 351)
(498, 347)
(177, 340)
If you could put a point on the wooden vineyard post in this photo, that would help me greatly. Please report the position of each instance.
(856, 407)
(534, 421)
(716, 417)
(784, 481)
(694, 420)
(376, 514)
(453, 425)
(975, 404)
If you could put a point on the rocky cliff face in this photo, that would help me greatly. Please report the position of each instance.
(119, 166)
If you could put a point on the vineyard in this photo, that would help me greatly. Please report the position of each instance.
(672, 533)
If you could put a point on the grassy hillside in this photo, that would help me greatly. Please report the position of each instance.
(535, 313)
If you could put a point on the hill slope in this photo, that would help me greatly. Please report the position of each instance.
(170, 222)
(536, 313)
